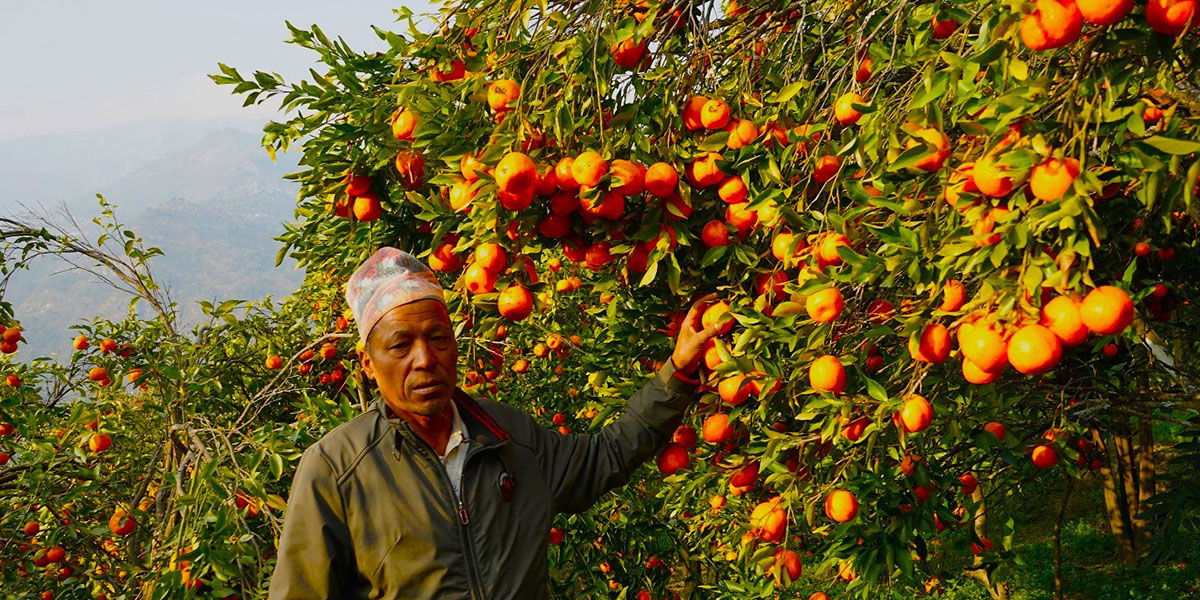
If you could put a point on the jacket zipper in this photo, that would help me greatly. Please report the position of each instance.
(464, 519)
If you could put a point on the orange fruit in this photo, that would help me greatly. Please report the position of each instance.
(941, 148)
(367, 208)
(443, 258)
(1044, 457)
(121, 523)
(1051, 179)
(661, 180)
(985, 348)
(673, 458)
(786, 561)
(691, 112)
(480, 280)
(404, 124)
(741, 133)
(491, 257)
(410, 166)
(457, 71)
(944, 29)
(272, 362)
(961, 181)
(470, 167)
(80, 343)
(703, 171)
(564, 174)
(841, 506)
(627, 53)
(916, 414)
(880, 311)
(987, 224)
(732, 190)
(1054, 24)
(954, 295)
(843, 109)
(717, 429)
(1170, 17)
(827, 168)
(714, 234)
(588, 168)
(99, 442)
(973, 374)
(990, 178)
(631, 175)
(734, 389)
(97, 374)
(827, 248)
(515, 302)
(547, 181)
(461, 195)
(863, 74)
(996, 429)
(515, 173)
(714, 114)
(824, 305)
(854, 430)
(931, 345)
(714, 314)
(768, 520)
(827, 374)
(1107, 310)
(108, 345)
(685, 435)
(741, 217)
(1033, 349)
(356, 184)
(502, 93)
(604, 205)
(1061, 316)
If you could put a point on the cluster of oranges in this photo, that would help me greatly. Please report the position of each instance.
(1058, 23)
(988, 345)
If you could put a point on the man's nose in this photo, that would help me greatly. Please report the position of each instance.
(423, 356)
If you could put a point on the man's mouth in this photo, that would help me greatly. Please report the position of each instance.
(427, 386)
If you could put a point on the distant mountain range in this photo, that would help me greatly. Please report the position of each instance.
(205, 192)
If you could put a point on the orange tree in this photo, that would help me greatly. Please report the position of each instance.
(952, 241)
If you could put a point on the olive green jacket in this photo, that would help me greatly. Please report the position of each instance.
(372, 513)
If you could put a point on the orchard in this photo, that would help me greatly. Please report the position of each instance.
(954, 246)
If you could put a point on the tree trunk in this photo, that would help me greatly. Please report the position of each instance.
(1147, 485)
(1115, 502)
(998, 591)
(1062, 511)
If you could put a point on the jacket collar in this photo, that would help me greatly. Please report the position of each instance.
(481, 427)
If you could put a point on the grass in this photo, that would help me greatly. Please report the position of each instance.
(1090, 569)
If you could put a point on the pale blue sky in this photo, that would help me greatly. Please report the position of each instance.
(84, 65)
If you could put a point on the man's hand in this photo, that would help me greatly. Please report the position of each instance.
(691, 341)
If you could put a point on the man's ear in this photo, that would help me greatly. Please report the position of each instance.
(367, 366)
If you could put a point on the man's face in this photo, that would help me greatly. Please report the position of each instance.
(413, 357)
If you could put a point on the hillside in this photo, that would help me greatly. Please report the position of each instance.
(205, 193)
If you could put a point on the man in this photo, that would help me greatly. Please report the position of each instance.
(432, 494)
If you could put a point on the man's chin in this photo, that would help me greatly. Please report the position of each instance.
(429, 405)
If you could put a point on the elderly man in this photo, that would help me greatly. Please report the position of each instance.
(433, 494)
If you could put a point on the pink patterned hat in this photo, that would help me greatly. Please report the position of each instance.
(388, 279)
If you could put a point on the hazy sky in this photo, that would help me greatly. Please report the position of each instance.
(89, 64)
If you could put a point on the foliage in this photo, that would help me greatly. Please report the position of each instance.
(950, 95)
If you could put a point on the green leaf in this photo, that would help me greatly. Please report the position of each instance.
(788, 92)
(1172, 145)
(935, 87)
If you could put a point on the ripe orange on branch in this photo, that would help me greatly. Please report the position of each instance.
(841, 506)
(1107, 310)
(826, 374)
